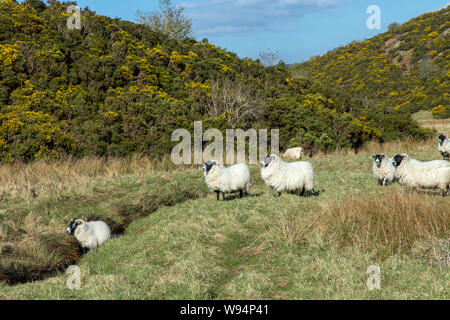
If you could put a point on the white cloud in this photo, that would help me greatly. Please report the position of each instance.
(238, 16)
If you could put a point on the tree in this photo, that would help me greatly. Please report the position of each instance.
(269, 58)
(392, 26)
(169, 21)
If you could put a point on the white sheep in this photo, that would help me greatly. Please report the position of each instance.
(417, 174)
(223, 180)
(287, 176)
(294, 153)
(444, 146)
(383, 169)
(90, 235)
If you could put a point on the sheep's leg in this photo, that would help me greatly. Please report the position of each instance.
(278, 194)
(218, 195)
(241, 194)
(223, 196)
(302, 193)
(444, 191)
(313, 192)
(384, 182)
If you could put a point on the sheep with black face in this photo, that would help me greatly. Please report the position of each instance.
(417, 174)
(224, 180)
(444, 146)
(288, 176)
(383, 169)
(90, 235)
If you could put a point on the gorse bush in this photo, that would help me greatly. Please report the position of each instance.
(115, 88)
(405, 69)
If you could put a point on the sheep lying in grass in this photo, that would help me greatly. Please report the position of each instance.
(294, 153)
(417, 174)
(288, 177)
(383, 169)
(90, 235)
(444, 146)
(223, 180)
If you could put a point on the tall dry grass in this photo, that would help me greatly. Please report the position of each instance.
(387, 225)
(50, 178)
(391, 147)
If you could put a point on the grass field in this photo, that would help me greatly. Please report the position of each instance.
(180, 243)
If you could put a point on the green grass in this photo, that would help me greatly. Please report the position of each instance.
(423, 115)
(259, 247)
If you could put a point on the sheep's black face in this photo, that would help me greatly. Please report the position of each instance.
(208, 165)
(378, 159)
(397, 160)
(266, 161)
(442, 139)
(72, 227)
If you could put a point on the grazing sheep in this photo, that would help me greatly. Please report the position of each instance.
(444, 146)
(221, 179)
(90, 235)
(383, 169)
(417, 174)
(287, 177)
(294, 153)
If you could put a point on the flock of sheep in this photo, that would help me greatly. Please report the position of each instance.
(413, 173)
(293, 177)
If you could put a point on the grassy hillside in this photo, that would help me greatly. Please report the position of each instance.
(180, 243)
(405, 69)
(115, 88)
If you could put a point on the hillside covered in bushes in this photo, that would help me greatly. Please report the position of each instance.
(116, 87)
(405, 69)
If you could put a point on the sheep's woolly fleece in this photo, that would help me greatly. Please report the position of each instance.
(92, 234)
(417, 174)
(231, 179)
(287, 177)
(294, 153)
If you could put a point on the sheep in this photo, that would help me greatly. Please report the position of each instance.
(294, 153)
(417, 174)
(444, 146)
(287, 176)
(220, 179)
(383, 169)
(90, 235)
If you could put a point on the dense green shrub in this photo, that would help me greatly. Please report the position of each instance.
(115, 88)
(406, 69)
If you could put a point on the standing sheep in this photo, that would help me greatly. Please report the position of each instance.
(90, 235)
(444, 146)
(223, 180)
(294, 153)
(287, 177)
(383, 169)
(417, 174)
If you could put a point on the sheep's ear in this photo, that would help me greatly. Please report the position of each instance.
(372, 156)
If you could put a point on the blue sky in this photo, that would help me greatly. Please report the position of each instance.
(296, 29)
